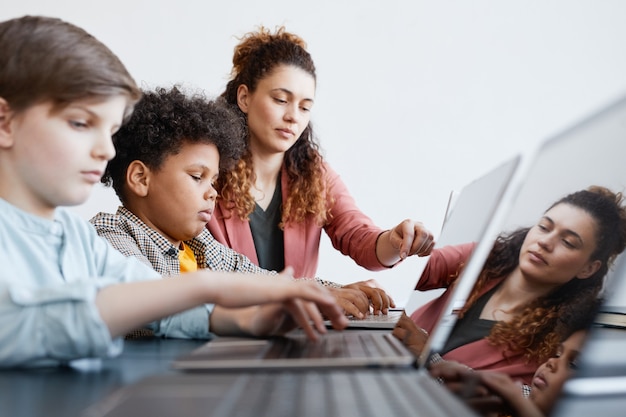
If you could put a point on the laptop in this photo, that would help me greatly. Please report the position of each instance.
(356, 349)
(477, 200)
(388, 321)
(590, 153)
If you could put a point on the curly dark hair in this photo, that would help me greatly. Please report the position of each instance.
(255, 57)
(576, 317)
(162, 122)
(535, 330)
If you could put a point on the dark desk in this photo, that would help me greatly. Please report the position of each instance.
(66, 392)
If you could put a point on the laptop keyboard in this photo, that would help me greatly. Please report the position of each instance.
(333, 345)
(316, 393)
(392, 317)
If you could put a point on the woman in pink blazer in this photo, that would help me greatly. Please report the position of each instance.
(275, 203)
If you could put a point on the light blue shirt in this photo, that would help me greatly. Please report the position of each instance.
(50, 272)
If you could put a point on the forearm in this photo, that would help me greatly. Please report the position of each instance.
(385, 252)
(231, 321)
(125, 307)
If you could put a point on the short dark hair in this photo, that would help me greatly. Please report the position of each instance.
(164, 120)
(43, 58)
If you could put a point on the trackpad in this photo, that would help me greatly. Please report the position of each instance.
(233, 349)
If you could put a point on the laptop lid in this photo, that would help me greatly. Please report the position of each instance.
(470, 217)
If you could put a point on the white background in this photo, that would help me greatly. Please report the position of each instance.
(414, 99)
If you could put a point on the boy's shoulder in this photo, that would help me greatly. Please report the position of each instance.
(104, 220)
(122, 219)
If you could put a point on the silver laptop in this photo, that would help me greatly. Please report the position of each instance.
(477, 201)
(388, 321)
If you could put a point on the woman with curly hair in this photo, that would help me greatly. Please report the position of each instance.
(274, 204)
(530, 278)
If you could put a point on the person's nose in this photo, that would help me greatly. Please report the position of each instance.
(211, 193)
(292, 113)
(552, 364)
(103, 146)
(546, 242)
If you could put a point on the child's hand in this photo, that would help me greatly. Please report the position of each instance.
(353, 302)
(377, 297)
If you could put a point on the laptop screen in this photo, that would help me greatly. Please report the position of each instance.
(467, 220)
(590, 153)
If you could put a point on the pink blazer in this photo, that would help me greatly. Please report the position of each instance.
(350, 231)
(480, 355)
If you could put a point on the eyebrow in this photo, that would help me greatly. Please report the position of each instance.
(286, 91)
(567, 231)
(83, 108)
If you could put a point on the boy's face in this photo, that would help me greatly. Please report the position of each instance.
(52, 159)
(180, 196)
(552, 374)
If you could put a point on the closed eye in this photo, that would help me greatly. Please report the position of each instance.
(78, 124)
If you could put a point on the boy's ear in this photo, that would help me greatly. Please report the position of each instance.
(138, 178)
(242, 98)
(6, 115)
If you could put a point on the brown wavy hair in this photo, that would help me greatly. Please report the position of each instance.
(48, 59)
(536, 330)
(256, 56)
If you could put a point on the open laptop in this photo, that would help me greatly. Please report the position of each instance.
(590, 153)
(478, 201)
(357, 349)
(388, 321)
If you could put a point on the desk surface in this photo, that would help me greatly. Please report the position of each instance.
(66, 392)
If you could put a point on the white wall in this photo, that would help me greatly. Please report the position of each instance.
(415, 98)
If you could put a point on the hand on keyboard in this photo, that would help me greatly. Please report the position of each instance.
(377, 298)
(354, 302)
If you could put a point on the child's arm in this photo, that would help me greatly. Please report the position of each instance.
(125, 307)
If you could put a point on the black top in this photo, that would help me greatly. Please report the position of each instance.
(268, 237)
(470, 328)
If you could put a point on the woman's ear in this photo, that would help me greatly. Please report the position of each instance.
(138, 178)
(243, 97)
(589, 269)
(6, 116)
